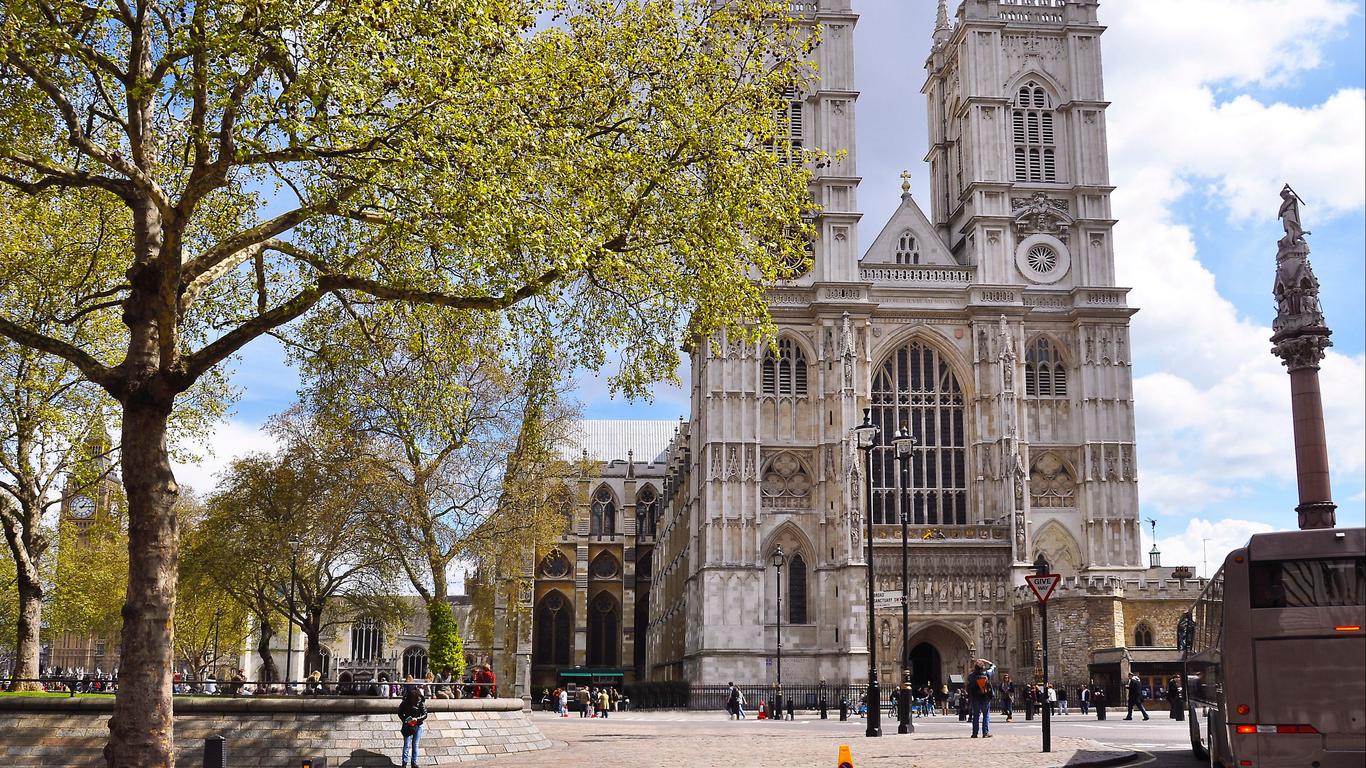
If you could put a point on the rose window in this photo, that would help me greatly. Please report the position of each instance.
(1042, 259)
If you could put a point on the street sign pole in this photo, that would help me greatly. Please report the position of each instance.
(1042, 584)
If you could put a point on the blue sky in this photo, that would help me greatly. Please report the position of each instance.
(1214, 105)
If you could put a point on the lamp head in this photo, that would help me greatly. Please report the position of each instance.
(903, 442)
(778, 558)
(1040, 565)
(867, 432)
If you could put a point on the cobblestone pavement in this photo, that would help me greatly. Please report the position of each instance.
(704, 740)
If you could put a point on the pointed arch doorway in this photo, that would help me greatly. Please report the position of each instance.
(927, 667)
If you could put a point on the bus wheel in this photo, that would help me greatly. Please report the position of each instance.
(1199, 745)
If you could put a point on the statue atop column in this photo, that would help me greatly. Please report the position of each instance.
(1299, 338)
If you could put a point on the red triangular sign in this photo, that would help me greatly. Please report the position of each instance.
(1043, 586)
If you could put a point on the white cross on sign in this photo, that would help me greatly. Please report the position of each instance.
(1043, 586)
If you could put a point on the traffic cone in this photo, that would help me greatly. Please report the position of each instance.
(846, 757)
(761, 710)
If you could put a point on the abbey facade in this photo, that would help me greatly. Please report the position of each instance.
(985, 321)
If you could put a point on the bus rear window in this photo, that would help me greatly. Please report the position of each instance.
(1308, 583)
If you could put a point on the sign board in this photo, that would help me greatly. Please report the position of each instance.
(887, 599)
(1043, 586)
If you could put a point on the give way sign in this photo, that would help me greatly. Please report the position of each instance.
(1043, 586)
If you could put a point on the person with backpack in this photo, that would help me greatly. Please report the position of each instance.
(736, 702)
(979, 685)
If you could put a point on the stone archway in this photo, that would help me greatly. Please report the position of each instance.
(937, 651)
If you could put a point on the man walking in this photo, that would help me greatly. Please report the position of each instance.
(1007, 697)
(979, 685)
(1085, 697)
(1135, 697)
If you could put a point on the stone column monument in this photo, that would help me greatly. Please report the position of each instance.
(1299, 336)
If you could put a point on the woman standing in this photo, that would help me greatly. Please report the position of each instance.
(412, 711)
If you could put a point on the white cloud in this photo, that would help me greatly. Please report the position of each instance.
(1215, 419)
(232, 439)
(1205, 543)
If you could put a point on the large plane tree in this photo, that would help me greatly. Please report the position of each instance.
(604, 167)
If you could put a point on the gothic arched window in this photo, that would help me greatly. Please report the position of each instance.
(604, 631)
(1045, 374)
(554, 631)
(603, 519)
(916, 387)
(555, 565)
(796, 589)
(415, 662)
(1143, 635)
(647, 511)
(367, 640)
(1035, 141)
(906, 250)
(604, 566)
(785, 374)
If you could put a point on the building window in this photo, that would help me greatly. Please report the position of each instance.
(555, 565)
(367, 640)
(907, 251)
(916, 387)
(1035, 143)
(603, 521)
(645, 567)
(1045, 374)
(554, 631)
(796, 589)
(604, 631)
(787, 143)
(415, 662)
(647, 511)
(604, 567)
(785, 374)
(1143, 635)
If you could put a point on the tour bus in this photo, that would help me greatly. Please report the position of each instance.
(1275, 655)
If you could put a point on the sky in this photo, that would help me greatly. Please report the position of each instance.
(1214, 105)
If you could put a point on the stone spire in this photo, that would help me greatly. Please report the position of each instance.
(1299, 337)
(942, 30)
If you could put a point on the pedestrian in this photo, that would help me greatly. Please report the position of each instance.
(1136, 698)
(1062, 699)
(1174, 703)
(604, 702)
(1051, 698)
(1007, 697)
(1084, 696)
(412, 711)
(979, 685)
(735, 702)
(582, 695)
(942, 699)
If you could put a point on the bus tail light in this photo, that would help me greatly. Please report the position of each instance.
(1243, 709)
(1276, 729)
(1296, 729)
(1247, 729)
(1245, 762)
(1348, 629)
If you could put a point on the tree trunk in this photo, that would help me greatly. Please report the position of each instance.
(140, 730)
(269, 671)
(313, 646)
(27, 643)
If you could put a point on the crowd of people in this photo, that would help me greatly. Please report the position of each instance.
(592, 701)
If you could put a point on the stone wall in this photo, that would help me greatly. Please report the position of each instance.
(274, 732)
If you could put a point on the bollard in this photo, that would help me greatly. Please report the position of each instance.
(825, 714)
(846, 758)
(791, 711)
(844, 709)
(215, 752)
(1029, 707)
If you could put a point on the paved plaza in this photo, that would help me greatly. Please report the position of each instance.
(702, 740)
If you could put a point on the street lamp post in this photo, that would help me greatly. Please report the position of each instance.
(294, 544)
(904, 444)
(867, 436)
(778, 699)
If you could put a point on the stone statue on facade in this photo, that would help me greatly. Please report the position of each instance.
(1007, 356)
(1290, 217)
(847, 353)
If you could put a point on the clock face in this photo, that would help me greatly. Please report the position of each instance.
(82, 507)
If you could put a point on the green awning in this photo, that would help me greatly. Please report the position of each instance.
(592, 673)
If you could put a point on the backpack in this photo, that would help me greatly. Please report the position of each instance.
(980, 685)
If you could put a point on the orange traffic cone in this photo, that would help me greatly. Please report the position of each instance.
(846, 757)
(761, 710)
